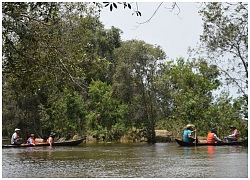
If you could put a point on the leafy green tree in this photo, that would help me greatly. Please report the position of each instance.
(48, 47)
(106, 113)
(133, 82)
(188, 87)
(32, 64)
(67, 114)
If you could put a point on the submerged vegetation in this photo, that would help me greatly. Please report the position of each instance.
(62, 71)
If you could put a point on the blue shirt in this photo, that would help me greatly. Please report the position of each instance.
(186, 133)
(30, 141)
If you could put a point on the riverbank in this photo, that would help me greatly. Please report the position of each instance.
(135, 136)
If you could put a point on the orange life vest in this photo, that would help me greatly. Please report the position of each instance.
(210, 138)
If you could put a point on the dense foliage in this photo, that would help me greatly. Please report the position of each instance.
(63, 72)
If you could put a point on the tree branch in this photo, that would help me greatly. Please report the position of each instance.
(152, 14)
(234, 80)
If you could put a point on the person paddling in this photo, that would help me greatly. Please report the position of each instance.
(31, 140)
(212, 137)
(50, 140)
(15, 137)
(187, 135)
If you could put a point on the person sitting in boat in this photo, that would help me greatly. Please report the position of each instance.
(187, 135)
(15, 137)
(31, 140)
(212, 137)
(233, 136)
(50, 140)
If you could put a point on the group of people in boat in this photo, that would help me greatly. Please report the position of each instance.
(15, 138)
(211, 136)
(187, 136)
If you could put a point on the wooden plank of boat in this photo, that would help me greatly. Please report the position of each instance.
(189, 144)
(65, 143)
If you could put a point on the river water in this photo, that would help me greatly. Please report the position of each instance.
(125, 160)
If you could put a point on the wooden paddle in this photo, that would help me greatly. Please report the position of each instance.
(195, 137)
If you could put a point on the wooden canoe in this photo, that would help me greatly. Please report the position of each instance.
(65, 143)
(189, 144)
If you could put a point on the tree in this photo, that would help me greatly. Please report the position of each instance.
(225, 40)
(188, 87)
(133, 82)
(226, 111)
(48, 47)
(67, 114)
(106, 113)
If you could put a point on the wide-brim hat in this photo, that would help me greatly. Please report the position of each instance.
(32, 135)
(232, 127)
(17, 129)
(190, 125)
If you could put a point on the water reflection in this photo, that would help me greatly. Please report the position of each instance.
(210, 150)
(236, 149)
(49, 152)
(32, 153)
(187, 151)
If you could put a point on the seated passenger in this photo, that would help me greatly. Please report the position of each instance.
(15, 137)
(212, 137)
(234, 135)
(31, 140)
(50, 140)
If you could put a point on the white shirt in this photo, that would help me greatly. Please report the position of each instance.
(216, 138)
(234, 133)
(14, 138)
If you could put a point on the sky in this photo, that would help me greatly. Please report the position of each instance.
(174, 31)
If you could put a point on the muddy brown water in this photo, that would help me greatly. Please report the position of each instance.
(125, 160)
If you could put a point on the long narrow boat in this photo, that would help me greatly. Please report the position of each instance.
(189, 144)
(65, 143)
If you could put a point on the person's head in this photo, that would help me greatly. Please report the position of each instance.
(232, 127)
(17, 130)
(32, 135)
(189, 126)
(213, 131)
(52, 134)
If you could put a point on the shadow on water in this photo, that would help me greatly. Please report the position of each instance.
(135, 160)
